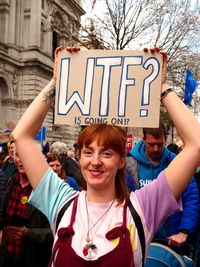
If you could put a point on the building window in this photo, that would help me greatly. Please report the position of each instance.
(42, 4)
(42, 39)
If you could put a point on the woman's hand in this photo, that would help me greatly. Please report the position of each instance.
(164, 84)
(58, 49)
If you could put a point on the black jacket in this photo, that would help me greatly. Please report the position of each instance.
(3, 180)
(72, 169)
(39, 239)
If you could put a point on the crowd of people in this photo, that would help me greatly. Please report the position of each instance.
(144, 162)
(59, 209)
(26, 236)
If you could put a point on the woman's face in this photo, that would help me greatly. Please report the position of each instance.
(99, 165)
(56, 166)
(11, 150)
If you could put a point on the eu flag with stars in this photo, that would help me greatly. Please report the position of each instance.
(190, 86)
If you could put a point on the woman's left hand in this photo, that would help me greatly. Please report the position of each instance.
(154, 50)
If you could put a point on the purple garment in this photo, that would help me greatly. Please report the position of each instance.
(157, 202)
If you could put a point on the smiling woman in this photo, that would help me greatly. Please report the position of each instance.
(98, 229)
(102, 159)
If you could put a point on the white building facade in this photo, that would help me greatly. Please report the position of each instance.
(30, 30)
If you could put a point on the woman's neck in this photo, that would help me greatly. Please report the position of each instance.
(100, 196)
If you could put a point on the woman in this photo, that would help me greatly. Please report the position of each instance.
(98, 229)
(56, 164)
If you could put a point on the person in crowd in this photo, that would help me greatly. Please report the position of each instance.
(3, 153)
(97, 229)
(58, 148)
(26, 237)
(45, 148)
(8, 165)
(71, 153)
(75, 151)
(173, 148)
(2, 156)
(197, 177)
(145, 161)
(55, 162)
(71, 166)
(3, 180)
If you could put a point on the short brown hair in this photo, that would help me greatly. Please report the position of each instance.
(156, 132)
(53, 157)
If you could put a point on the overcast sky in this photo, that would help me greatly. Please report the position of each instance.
(87, 6)
(98, 7)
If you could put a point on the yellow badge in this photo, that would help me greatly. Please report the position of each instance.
(24, 199)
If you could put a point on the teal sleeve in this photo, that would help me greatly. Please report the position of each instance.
(50, 194)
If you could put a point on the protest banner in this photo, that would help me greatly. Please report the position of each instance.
(5, 137)
(129, 142)
(108, 86)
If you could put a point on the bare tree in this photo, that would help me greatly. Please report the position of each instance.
(123, 21)
(177, 32)
(89, 37)
(171, 24)
(174, 25)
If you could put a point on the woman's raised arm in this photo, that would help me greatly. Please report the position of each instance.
(28, 126)
(183, 167)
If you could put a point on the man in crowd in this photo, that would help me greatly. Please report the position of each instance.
(25, 235)
(145, 161)
(8, 165)
(3, 180)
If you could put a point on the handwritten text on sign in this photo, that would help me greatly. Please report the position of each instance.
(115, 87)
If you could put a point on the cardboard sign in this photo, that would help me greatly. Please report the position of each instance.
(108, 86)
(5, 137)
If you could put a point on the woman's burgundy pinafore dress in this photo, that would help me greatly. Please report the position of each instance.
(63, 255)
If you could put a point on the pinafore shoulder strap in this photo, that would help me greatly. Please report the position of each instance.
(134, 214)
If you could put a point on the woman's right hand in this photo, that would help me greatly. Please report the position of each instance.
(58, 49)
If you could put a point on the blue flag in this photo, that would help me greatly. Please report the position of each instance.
(190, 86)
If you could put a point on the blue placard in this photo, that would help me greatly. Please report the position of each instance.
(41, 135)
